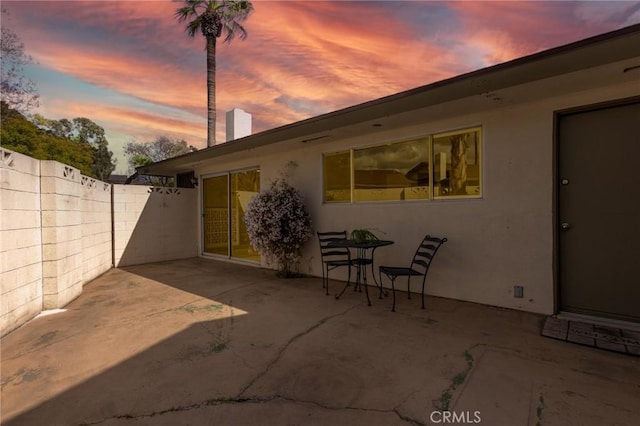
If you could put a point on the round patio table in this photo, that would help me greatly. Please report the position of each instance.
(364, 256)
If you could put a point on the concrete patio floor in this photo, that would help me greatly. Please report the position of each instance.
(202, 342)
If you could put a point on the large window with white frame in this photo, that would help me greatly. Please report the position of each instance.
(442, 165)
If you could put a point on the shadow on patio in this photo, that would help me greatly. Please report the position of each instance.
(198, 341)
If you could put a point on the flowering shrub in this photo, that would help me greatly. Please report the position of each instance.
(278, 224)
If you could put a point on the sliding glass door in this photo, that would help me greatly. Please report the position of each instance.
(216, 214)
(225, 199)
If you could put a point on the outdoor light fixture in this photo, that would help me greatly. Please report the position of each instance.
(194, 181)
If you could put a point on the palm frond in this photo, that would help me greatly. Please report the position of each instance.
(231, 13)
(236, 11)
(194, 26)
(187, 12)
(184, 13)
(233, 28)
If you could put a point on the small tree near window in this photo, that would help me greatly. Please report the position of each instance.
(278, 225)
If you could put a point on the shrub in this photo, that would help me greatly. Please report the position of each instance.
(278, 225)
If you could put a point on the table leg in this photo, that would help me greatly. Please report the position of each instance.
(357, 284)
(383, 292)
(361, 276)
(366, 287)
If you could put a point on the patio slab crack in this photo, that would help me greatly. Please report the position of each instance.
(284, 348)
(255, 400)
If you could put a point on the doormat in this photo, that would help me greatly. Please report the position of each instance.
(597, 336)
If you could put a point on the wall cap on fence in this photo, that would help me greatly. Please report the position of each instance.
(164, 190)
(56, 169)
(6, 158)
(91, 183)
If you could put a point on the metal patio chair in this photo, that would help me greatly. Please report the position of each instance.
(333, 257)
(419, 266)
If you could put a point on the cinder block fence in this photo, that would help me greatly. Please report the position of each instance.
(59, 230)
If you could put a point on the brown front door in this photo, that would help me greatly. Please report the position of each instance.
(599, 212)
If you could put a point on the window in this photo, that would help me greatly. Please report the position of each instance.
(456, 159)
(337, 177)
(395, 171)
(442, 165)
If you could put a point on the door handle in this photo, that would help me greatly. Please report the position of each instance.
(565, 226)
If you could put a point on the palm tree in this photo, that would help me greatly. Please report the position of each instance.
(212, 18)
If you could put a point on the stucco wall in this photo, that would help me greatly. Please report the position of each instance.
(20, 240)
(504, 239)
(154, 224)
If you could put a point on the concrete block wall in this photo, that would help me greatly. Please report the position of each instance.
(55, 235)
(153, 224)
(61, 233)
(20, 240)
(95, 207)
(59, 229)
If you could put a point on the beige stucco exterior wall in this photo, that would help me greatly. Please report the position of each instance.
(154, 224)
(20, 240)
(503, 239)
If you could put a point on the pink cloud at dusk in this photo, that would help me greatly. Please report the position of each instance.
(497, 31)
(128, 124)
(152, 81)
(155, 124)
(139, 75)
(342, 59)
(115, 52)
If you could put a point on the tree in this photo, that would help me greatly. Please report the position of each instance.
(84, 132)
(20, 135)
(162, 148)
(212, 18)
(17, 91)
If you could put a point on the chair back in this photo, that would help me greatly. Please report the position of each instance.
(426, 252)
(332, 253)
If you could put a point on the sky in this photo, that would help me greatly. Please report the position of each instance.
(131, 67)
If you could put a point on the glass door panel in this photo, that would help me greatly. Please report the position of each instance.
(244, 186)
(216, 215)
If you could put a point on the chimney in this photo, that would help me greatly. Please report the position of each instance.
(238, 124)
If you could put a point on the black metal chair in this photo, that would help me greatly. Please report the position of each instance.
(333, 257)
(419, 266)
